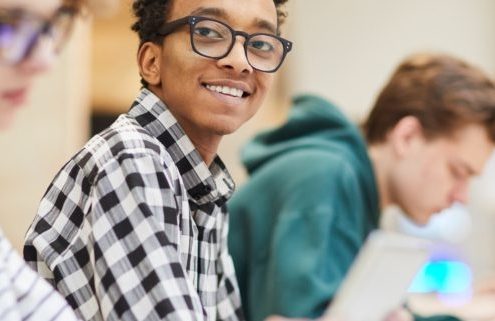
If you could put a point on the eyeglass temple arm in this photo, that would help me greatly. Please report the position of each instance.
(171, 26)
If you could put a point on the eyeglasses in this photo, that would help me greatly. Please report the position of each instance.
(20, 31)
(214, 39)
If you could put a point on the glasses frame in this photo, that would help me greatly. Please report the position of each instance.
(44, 29)
(171, 26)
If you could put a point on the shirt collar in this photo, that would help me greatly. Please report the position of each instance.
(204, 184)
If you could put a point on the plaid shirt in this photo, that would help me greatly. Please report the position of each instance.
(134, 226)
(24, 295)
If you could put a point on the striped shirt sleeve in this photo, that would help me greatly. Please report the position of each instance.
(23, 294)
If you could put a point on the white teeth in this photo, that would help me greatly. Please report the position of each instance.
(226, 90)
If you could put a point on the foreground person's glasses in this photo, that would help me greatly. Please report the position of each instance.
(214, 39)
(20, 32)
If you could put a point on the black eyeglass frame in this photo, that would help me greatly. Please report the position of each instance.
(171, 26)
(63, 10)
(45, 28)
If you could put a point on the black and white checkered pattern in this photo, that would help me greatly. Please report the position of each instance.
(24, 295)
(134, 226)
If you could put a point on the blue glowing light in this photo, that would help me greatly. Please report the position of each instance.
(443, 277)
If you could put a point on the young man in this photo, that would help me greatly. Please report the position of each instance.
(317, 187)
(31, 34)
(134, 226)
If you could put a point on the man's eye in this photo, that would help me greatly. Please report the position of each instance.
(261, 45)
(9, 26)
(208, 33)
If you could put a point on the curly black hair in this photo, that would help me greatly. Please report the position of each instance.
(151, 15)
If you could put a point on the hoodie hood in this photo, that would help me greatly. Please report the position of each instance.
(313, 122)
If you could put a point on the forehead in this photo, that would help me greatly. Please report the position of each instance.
(41, 7)
(240, 14)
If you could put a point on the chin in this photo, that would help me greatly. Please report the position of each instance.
(225, 131)
(225, 127)
(420, 219)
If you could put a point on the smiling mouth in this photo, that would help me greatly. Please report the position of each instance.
(16, 96)
(225, 90)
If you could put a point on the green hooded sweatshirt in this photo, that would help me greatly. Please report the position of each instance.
(298, 223)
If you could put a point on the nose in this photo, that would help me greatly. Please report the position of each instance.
(460, 193)
(41, 57)
(236, 60)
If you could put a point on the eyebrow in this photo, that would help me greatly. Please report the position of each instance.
(220, 13)
(15, 12)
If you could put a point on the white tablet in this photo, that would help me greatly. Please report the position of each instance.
(377, 282)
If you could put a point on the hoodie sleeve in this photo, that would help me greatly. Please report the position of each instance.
(315, 240)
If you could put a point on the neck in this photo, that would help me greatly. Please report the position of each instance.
(205, 143)
(381, 164)
(207, 150)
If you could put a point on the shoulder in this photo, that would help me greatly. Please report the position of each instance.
(317, 165)
(300, 179)
(124, 141)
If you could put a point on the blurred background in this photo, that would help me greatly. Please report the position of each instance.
(344, 50)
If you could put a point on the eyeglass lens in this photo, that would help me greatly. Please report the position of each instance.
(16, 36)
(215, 40)
(19, 33)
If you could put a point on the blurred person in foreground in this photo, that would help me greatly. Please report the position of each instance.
(134, 226)
(317, 186)
(31, 35)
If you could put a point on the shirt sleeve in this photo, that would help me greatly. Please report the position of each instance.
(24, 295)
(135, 231)
(228, 297)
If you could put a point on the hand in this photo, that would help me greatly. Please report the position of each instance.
(486, 287)
(400, 314)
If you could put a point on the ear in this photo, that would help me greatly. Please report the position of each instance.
(149, 63)
(405, 135)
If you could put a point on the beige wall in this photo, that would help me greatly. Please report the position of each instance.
(115, 76)
(46, 132)
(346, 49)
